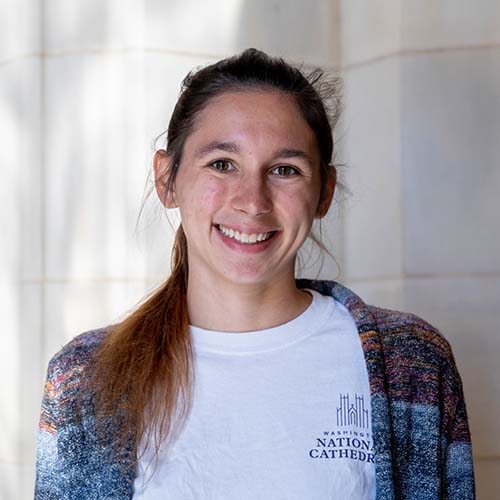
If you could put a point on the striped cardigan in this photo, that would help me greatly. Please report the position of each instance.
(419, 421)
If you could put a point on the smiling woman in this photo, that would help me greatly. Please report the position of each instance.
(234, 379)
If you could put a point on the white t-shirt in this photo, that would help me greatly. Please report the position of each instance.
(278, 414)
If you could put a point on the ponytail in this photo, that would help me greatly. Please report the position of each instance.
(144, 365)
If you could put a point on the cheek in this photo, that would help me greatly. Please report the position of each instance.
(201, 201)
(300, 205)
(210, 199)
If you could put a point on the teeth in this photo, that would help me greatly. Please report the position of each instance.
(243, 237)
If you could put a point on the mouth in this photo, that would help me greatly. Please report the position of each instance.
(245, 238)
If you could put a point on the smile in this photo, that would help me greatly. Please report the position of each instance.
(244, 237)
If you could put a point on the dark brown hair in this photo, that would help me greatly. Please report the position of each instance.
(144, 368)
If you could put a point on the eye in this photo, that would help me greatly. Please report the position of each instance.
(222, 165)
(285, 171)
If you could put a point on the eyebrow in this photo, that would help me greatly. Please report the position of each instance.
(228, 147)
(232, 147)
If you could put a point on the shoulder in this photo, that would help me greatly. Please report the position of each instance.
(407, 332)
(66, 377)
(395, 330)
(79, 350)
(419, 365)
(403, 329)
(69, 363)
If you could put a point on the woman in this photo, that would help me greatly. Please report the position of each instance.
(234, 379)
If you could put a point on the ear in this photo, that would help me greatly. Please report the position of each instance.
(162, 163)
(325, 203)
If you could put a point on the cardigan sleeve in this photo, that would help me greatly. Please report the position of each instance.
(430, 441)
(59, 418)
(71, 462)
(458, 466)
(48, 473)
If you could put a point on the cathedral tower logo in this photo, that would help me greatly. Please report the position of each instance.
(352, 413)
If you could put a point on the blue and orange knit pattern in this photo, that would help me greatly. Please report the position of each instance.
(419, 420)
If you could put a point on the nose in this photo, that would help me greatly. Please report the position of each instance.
(252, 196)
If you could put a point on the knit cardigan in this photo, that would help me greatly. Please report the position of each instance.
(419, 423)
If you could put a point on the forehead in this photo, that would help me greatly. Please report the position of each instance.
(265, 117)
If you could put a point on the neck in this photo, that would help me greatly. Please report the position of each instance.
(243, 308)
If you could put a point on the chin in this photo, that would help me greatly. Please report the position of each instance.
(255, 277)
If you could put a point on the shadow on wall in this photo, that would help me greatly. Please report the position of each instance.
(277, 32)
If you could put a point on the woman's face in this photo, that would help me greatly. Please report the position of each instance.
(247, 188)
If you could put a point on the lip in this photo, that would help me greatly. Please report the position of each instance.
(247, 248)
